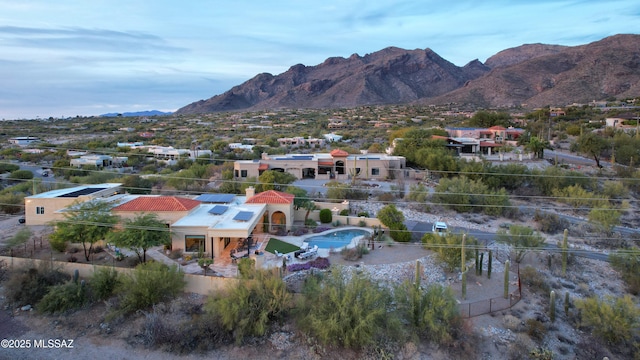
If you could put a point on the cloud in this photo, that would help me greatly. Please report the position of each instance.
(83, 39)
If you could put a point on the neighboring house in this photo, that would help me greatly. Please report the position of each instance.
(100, 161)
(171, 155)
(618, 123)
(48, 207)
(23, 140)
(332, 137)
(338, 164)
(300, 141)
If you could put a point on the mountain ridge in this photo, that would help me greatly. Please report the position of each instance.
(530, 74)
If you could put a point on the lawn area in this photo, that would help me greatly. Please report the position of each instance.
(281, 246)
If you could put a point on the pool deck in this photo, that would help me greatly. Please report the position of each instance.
(298, 240)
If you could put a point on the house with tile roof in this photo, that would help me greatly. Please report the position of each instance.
(213, 223)
(338, 164)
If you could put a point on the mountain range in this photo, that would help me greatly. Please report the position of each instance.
(530, 75)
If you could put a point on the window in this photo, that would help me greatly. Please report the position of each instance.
(375, 171)
(236, 173)
(357, 171)
(40, 210)
(193, 243)
(243, 173)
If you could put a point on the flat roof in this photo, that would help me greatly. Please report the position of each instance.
(75, 191)
(201, 217)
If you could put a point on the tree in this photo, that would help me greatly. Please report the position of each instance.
(521, 238)
(393, 218)
(627, 262)
(85, 223)
(137, 185)
(141, 233)
(537, 146)
(593, 145)
(274, 180)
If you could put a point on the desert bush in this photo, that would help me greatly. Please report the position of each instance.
(246, 268)
(30, 285)
(310, 223)
(354, 253)
(627, 262)
(350, 310)
(173, 333)
(536, 280)
(58, 244)
(300, 231)
(63, 297)
(614, 320)
(104, 282)
(615, 190)
(432, 312)
(72, 258)
(149, 284)
(386, 197)
(320, 229)
(448, 248)
(550, 223)
(344, 212)
(250, 307)
(536, 329)
(175, 254)
(521, 238)
(363, 213)
(325, 216)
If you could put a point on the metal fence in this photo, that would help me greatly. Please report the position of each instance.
(487, 306)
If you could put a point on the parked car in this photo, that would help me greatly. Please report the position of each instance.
(439, 228)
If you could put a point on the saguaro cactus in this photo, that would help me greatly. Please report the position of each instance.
(566, 303)
(552, 306)
(506, 279)
(76, 275)
(565, 252)
(480, 265)
(464, 283)
(417, 276)
(477, 262)
(463, 259)
(489, 264)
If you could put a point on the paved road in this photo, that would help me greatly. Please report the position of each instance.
(418, 229)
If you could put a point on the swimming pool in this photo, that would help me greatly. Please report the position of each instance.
(336, 239)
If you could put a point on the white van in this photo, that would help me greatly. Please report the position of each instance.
(440, 228)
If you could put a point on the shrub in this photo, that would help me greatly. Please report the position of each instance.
(249, 307)
(448, 248)
(64, 297)
(614, 320)
(300, 231)
(104, 282)
(351, 311)
(550, 223)
(175, 254)
(246, 268)
(363, 213)
(534, 279)
(627, 262)
(149, 284)
(58, 244)
(536, 329)
(320, 229)
(344, 212)
(310, 223)
(325, 216)
(433, 313)
(30, 285)
(318, 263)
(354, 253)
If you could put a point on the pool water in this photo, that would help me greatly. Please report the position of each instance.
(335, 239)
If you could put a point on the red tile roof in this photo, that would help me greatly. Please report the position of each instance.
(339, 153)
(157, 203)
(489, 144)
(497, 127)
(271, 197)
(263, 167)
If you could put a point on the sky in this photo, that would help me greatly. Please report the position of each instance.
(66, 58)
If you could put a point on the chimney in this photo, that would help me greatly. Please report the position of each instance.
(250, 191)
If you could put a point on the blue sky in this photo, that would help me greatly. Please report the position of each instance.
(65, 58)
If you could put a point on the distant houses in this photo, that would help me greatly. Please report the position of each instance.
(23, 140)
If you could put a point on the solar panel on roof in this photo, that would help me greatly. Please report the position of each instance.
(218, 210)
(216, 198)
(243, 216)
(81, 192)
